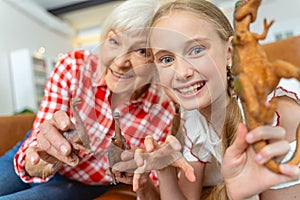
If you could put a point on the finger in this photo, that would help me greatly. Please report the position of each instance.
(188, 170)
(240, 144)
(141, 169)
(287, 173)
(266, 133)
(290, 170)
(150, 144)
(32, 155)
(135, 181)
(138, 157)
(47, 146)
(175, 144)
(128, 154)
(272, 150)
(49, 138)
(62, 121)
(125, 166)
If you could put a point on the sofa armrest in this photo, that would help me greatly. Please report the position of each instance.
(13, 128)
(287, 50)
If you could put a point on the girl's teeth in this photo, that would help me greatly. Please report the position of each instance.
(191, 89)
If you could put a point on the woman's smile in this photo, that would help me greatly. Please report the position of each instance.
(121, 76)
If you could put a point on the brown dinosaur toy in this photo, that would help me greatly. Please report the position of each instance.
(117, 146)
(79, 140)
(255, 76)
(176, 122)
(78, 137)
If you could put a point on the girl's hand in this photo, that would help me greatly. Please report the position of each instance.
(156, 157)
(243, 167)
(124, 170)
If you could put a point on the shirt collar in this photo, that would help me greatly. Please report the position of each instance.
(99, 81)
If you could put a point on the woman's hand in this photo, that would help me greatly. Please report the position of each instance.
(243, 167)
(52, 148)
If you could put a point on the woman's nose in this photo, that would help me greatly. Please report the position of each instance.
(123, 60)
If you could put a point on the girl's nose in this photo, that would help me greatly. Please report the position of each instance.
(123, 60)
(184, 70)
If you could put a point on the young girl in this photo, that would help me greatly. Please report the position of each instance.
(191, 43)
(124, 84)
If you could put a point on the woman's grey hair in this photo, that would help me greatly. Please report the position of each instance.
(132, 14)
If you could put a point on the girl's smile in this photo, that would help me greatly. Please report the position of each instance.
(191, 89)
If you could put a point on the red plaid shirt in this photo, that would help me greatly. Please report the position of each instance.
(76, 75)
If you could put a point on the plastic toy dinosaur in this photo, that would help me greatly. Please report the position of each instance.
(176, 122)
(79, 140)
(255, 76)
(78, 137)
(117, 146)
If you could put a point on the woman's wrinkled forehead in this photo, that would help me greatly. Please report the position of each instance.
(133, 36)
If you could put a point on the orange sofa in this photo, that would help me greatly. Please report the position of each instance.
(287, 49)
(13, 129)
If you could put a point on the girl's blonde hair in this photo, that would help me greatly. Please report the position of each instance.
(213, 14)
(204, 9)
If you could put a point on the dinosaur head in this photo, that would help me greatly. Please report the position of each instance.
(244, 8)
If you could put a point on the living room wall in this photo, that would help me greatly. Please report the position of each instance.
(19, 30)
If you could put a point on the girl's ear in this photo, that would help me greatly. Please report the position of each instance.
(229, 52)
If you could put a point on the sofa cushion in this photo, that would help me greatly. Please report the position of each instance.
(13, 128)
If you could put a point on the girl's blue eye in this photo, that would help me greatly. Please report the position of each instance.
(166, 60)
(197, 50)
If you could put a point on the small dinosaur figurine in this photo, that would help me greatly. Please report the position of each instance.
(78, 137)
(79, 140)
(117, 146)
(176, 122)
(255, 75)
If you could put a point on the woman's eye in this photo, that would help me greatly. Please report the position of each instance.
(113, 41)
(197, 50)
(166, 60)
(142, 52)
